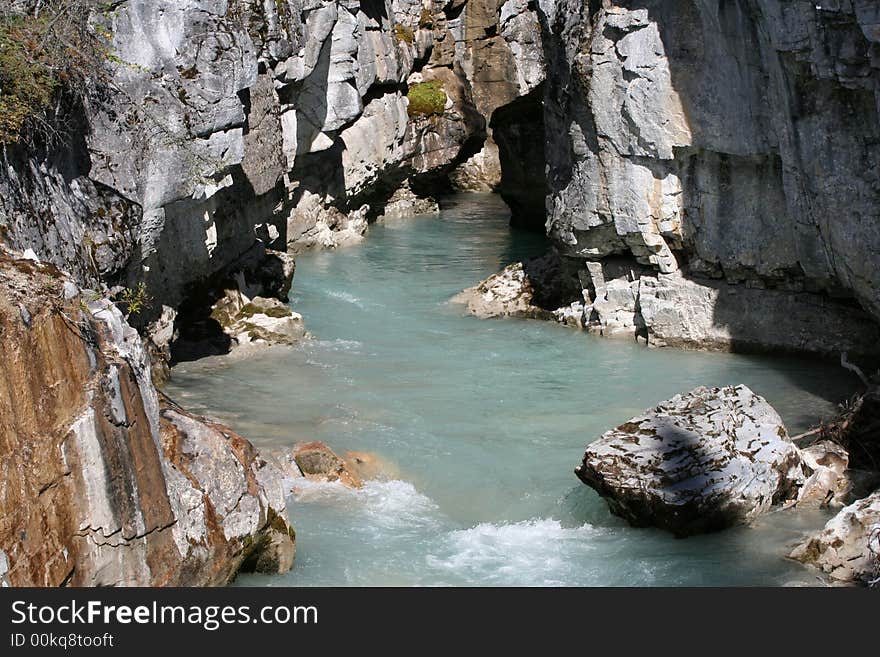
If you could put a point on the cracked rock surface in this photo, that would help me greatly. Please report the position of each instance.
(103, 485)
(697, 462)
(848, 548)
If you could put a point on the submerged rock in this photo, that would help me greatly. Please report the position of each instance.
(848, 548)
(368, 465)
(698, 462)
(320, 463)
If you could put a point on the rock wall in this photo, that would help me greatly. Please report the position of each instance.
(219, 128)
(103, 483)
(719, 141)
(221, 135)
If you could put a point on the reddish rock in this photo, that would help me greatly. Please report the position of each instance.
(100, 487)
(319, 463)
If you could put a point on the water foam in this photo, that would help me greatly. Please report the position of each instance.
(390, 505)
(537, 552)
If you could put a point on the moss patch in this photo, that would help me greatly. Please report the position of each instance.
(250, 309)
(426, 99)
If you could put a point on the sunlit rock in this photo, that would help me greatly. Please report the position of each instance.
(698, 462)
(848, 548)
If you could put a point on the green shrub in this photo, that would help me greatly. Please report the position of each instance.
(135, 300)
(426, 99)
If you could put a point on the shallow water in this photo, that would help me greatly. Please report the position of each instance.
(484, 422)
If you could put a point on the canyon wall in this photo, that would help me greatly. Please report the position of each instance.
(218, 138)
(218, 129)
(712, 168)
(706, 171)
(103, 483)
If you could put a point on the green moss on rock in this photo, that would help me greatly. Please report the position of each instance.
(251, 309)
(426, 99)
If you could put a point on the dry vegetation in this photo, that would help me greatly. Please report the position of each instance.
(51, 53)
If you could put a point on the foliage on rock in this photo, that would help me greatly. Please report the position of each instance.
(134, 300)
(426, 99)
(404, 34)
(54, 48)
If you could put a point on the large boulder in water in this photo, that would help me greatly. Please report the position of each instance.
(523, 289)
(698, 462)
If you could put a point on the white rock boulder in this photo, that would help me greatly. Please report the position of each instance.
(699, 462)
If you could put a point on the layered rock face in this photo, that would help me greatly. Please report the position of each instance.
(497, 47)
(103, 483)
(725, 152)
(219, 129)
(221, 136)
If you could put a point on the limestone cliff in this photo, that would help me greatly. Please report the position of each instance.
(218, 129)
(218, 137)
(713, 150)
(102, 483)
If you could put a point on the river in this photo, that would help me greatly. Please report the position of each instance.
(483, 423)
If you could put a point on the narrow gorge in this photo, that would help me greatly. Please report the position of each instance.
(232, 231)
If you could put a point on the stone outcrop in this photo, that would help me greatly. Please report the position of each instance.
(499, 49)
(848, 548)
(713, 148)
(257, 320)
(828, 483)
(697, 462)
(676, 310)
(103, 483)
(519, 290)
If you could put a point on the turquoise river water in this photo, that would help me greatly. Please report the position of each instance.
(482, 422)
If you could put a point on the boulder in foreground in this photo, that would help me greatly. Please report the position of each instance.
(699, 462)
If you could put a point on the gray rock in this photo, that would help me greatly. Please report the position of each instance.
(828, 483)
(625, 299)
(713, 137)
(406, 203)
(697, 462)
(516, 291)
(848, 548)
